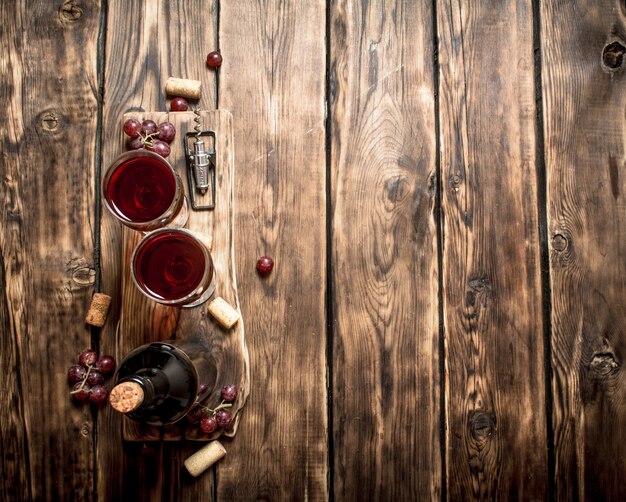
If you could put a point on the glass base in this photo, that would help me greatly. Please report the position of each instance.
(205, 296)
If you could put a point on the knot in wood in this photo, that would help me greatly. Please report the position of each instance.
(559, 243)
(603, 364)
(482, 425)
(480, 284)
(80, 272)
(432, 185)
(397, 188)
(84, 276)
(70, 11)
(455, 181)
(85, 429)
(613, 55)
(49, 121)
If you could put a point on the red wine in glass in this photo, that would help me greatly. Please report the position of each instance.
(142, 190)
(171, 266)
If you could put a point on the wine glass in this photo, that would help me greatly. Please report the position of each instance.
(143, 191)
(173, 267)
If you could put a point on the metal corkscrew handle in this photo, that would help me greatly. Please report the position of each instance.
(200, 155)
(201, 166)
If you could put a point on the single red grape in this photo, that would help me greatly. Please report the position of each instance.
(208, 424)
(98, 394)
(132, 128)
(203, 388)
(106, 364)
(76, 374)
(160, 147)
(195, 415)
(80, 394)
(214, 59)
(179, 104)
(95, 378)
(135, 143)
(229, 392)
(148, 126)
(265, 265)
(88, 357)
(167, 131)
(223, 418)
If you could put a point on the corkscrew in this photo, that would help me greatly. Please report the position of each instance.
(200, 163)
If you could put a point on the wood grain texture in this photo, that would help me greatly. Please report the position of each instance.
(495, 397)
(48, 122)
(147, 42)
(384, 252)
(368, 345)
(143, 321)
(585, 138)
(272, 81)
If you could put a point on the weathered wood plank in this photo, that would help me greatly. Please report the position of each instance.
(48, 128)
(386, 384)
(495, 386)
(584, 102)
(272, 81)
(147, 41)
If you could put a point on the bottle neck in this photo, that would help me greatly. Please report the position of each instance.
(155, 387)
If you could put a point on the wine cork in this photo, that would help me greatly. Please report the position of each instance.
(98, 310)
(126, 397)
(183, 87)
(223, 313)
(204, 458)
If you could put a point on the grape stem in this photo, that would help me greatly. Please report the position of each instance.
(148, 139)
(82, 384)
(222, 406)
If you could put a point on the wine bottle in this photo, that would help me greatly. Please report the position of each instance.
(158, 383)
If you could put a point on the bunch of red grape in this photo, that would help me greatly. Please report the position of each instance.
(149, 135)
(87, 377)
(220, 416)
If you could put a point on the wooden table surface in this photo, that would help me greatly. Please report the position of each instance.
(442, 186)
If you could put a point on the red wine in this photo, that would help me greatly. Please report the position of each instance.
(141, 189)
(170, 265)
(169, 378)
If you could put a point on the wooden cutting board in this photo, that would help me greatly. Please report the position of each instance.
(143, 321)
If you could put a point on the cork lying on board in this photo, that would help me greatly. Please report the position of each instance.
(223, 313)
(98, 310)
(204, 458)
(183, 87)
